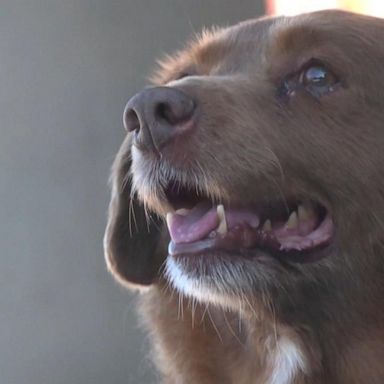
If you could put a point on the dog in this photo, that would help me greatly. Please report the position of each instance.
(247, 204)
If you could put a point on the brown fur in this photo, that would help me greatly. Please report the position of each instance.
(252, 145)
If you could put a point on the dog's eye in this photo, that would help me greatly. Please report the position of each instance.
(318, 79)
(314, 77)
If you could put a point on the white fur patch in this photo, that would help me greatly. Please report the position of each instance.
(287, 361)
(182, 282)
(197, 288)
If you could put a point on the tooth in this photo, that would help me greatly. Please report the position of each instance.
(267, 227)
(305, 212)
(293, 221)
(183, 211)
(169, 219)
(222, 229)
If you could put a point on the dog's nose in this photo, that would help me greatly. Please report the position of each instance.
(158, 115)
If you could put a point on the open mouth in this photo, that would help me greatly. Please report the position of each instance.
(290, 228)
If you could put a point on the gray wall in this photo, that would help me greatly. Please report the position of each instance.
(67, 67)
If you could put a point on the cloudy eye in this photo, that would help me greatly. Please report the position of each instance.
(318, 79)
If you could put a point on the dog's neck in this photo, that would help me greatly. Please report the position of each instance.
(228, 347)
(285, 355)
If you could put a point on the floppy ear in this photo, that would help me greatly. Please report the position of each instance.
(131, 241)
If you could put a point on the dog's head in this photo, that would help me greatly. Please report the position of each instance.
(261, 146)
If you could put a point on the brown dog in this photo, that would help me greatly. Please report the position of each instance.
(263, 146)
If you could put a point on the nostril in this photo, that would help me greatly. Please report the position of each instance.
(131, 120)
(157, 115)
(173, 113)
(163, 111)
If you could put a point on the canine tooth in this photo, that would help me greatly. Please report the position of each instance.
(169, 219)
(267, 227)
(293, 221)
(222, 229)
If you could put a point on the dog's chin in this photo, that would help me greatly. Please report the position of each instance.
(210, 278)
(226, 278)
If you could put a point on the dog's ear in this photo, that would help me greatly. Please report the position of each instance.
(131, 240)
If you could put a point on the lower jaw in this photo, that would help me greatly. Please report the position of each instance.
(221, 246)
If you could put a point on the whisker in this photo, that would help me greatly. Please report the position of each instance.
(131, 215)
(232, 331)
(214, 325)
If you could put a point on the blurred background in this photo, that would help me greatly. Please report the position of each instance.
(67, 68)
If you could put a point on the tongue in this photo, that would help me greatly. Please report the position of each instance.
(195, 225)
(198, 223)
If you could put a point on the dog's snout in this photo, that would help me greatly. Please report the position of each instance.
(158, 115)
